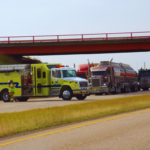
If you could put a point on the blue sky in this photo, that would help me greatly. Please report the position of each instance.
(52, 17)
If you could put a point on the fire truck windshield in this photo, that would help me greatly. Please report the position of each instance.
(99, 73)
(143, 73)
(69, 73)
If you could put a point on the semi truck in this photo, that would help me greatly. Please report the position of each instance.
(42, 80)
(83, 68)
(144, 79)
(115, 77)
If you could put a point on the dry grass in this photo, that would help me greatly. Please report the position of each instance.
(12, 123)
(6, 59)
(33, 58)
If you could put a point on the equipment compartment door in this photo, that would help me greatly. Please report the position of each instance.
(37, 80)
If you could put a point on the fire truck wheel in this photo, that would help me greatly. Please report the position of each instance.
(80, 97)
(5, 96)
(66, 94)
(22, 99)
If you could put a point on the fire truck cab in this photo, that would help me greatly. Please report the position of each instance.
(42, 80)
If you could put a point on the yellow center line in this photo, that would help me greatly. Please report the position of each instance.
(73, 127)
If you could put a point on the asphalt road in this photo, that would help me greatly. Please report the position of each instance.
(55, 101)
(129, 131)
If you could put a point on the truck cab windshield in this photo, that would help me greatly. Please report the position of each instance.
(69, 73)
(144, 73)
(94, 73)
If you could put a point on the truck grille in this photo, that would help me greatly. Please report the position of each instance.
(145, 81)
(96, 82)
(83, 84)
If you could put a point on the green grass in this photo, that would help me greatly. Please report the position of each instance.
(19, 122)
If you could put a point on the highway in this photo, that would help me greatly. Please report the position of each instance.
(128, 131)
(55, 101)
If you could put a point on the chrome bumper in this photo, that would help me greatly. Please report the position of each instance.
(82, 92)
(102, 89)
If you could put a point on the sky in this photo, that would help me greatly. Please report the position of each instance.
(56, 17)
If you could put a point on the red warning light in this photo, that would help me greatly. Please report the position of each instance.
(58, 66)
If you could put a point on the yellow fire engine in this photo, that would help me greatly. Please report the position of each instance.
(37, 80)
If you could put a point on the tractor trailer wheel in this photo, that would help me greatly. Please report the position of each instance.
(145, 89)
(108, 92)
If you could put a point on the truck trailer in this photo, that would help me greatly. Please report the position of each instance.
(144, 79)
(115, 77)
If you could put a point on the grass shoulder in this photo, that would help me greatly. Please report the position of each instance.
(20, 122)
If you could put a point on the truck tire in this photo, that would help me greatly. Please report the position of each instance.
(145, 89)
(117, 91)
(134, 89)
(80, 97)
(125, 90)
(99, 94)
(5, 96)
(22, 99)
(108, 93)
(139, 88)
(129, 90)
(66, 94)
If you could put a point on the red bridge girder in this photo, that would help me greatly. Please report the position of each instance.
(81, 45)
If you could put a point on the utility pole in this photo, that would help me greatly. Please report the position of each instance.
(144, 65)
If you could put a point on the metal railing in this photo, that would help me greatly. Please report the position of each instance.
(75, 37)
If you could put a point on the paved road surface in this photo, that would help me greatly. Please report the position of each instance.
(55, 101)
(130, 132)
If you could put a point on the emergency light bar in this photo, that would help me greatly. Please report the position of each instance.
(58, 66)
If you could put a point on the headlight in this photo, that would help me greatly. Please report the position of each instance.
(104, 84)
(138, 83)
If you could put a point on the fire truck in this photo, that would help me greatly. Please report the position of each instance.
(144, 79)
(115, 77)
(42, 80)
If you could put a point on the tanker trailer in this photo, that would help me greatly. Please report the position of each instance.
(117, 77)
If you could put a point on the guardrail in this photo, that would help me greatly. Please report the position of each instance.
(74, 37)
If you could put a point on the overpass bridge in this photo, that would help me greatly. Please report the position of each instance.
(75, 44)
